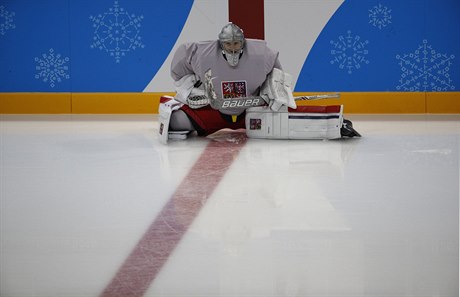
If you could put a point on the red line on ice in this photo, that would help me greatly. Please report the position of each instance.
(154, 248)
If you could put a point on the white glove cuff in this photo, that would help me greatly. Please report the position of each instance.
(275, 105)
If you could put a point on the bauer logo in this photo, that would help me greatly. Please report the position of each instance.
(161, 128)
(241, 102)
(255, 124)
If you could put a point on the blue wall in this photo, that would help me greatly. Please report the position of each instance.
(119, 45)
(86, 45)
(387, 45)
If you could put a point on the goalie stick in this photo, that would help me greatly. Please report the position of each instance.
(245, 102)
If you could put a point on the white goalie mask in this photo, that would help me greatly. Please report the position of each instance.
(231, 39)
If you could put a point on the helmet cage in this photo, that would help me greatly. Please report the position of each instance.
(231, 33)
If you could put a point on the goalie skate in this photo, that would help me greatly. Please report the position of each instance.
(178, 135)
(347, 129)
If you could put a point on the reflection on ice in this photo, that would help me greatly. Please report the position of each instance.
(276, 185)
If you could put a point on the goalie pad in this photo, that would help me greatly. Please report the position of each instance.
(167, 105)
(278, 89)
(305, 122)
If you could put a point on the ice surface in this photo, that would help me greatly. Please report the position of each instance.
(374, 216)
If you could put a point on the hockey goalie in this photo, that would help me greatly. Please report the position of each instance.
(238, 83)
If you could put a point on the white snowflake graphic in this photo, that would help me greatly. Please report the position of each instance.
(380, 16)
(349, 52)
(51, 68)
(425, 70)
(6, 20)
(117, 32)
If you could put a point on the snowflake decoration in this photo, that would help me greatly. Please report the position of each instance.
(425, 70)
(117, 32)
(349, 52)
(380, 16)
(6, 20)
(51, 68)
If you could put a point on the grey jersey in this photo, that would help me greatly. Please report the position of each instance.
(244, 80)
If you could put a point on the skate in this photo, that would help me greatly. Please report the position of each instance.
(178, 135)
(347, 129)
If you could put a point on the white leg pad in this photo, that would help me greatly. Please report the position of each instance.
(167, 106)
(305, 122)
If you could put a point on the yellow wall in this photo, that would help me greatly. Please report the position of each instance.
(142, 103)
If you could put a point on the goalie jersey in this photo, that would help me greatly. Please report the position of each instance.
(244, 80)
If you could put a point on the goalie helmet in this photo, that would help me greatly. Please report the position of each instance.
(231, 40)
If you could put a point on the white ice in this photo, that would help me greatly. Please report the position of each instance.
(373, 216)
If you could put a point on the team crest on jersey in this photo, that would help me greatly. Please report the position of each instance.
(234, 89)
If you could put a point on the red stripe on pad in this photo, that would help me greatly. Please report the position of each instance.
(164, 234)
(316, 109)
(165, 99)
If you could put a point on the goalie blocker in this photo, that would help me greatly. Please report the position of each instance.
(305, 122)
